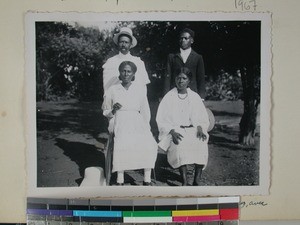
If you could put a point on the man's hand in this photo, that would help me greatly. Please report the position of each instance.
(116, 107)
(176, 136)
(200, 134)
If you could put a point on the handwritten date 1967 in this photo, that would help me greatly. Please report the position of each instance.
(245, 5)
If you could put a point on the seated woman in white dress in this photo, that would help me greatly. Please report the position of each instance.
(182, 122)
(127, 108)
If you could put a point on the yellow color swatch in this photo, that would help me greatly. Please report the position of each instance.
(205, 212)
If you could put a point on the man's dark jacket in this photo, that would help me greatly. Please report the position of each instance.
(195, 63)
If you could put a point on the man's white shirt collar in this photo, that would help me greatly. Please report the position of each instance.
(185, 54)
(122, 56)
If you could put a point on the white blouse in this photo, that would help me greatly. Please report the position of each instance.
(131, 100)
(174, 112)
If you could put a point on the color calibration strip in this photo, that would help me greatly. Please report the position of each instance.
(133, 211)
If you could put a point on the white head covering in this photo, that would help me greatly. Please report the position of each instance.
(127, 31)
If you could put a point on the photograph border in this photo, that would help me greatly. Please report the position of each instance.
(143, 191)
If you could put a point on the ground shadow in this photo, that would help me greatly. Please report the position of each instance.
(78, 117)
(222, 113)
(230, 144)
(164, 172)
(217, 140)
(84, 155)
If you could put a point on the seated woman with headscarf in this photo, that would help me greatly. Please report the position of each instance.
(127, 108)
(183, 122)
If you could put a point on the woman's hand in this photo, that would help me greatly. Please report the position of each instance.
(200, 134)
(116, 107)
(176, 136)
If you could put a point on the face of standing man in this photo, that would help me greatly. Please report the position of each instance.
(185, 40)
(124, 44)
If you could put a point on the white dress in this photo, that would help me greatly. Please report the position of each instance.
(111, 71)
(134, 145)
(174, 112)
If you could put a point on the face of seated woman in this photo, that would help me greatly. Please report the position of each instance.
(126, 75)
(182, 81)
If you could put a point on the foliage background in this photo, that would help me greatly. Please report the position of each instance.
(70, 56)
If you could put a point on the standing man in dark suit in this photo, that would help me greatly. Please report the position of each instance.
(187, 57)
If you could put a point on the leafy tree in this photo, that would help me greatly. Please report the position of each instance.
(240, 53)
(69, 60)
(45, 69)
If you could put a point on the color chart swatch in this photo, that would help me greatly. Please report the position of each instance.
(181, 210)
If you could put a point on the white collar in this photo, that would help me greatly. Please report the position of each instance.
(185, 54)
(132, 86)
(121, 55)
(185, 51)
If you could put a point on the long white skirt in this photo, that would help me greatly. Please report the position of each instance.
(134, 145)
(190, 150)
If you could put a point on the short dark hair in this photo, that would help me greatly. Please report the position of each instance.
(185, 71)
(188, 30)
(129, 63)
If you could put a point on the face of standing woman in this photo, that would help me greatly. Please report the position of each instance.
(126, 74)
(182, 81)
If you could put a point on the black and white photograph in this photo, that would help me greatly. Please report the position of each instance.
(148, 104)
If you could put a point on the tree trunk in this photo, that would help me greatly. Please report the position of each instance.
(251, 102)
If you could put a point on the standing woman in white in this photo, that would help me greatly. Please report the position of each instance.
(127, 108)
(183, 122)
